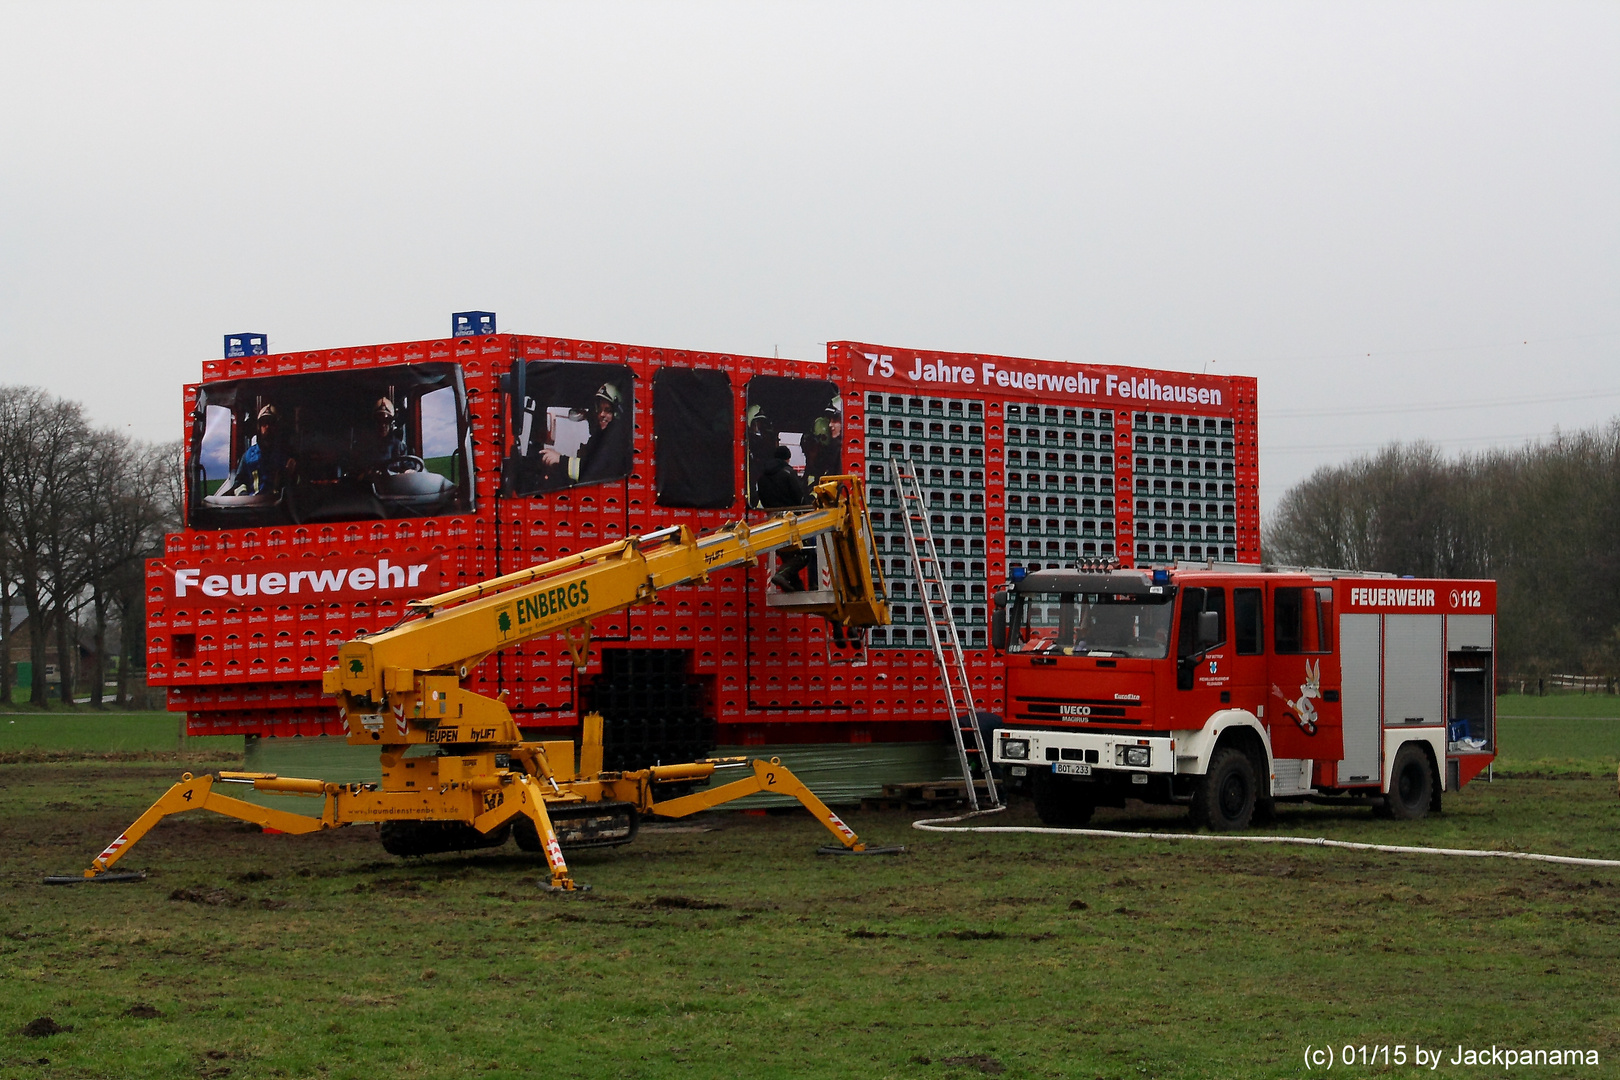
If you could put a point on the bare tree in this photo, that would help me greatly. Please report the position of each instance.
(1544, 521)
(46, 442)
(120, 525)
(157, 487)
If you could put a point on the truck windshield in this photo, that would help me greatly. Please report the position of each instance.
(1091, 624)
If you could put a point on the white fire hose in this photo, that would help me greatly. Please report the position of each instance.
(944, 825)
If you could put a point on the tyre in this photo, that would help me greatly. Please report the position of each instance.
(1225, 799)
(1061, 803)
(1411, 786)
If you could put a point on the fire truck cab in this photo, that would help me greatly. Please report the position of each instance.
(1227, 688)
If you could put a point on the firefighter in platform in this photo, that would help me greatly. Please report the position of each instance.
(781, 487)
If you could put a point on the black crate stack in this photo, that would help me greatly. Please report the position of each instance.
(653, 710)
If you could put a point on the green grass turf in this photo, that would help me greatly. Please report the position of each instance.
(738, 952)
(85, 733)
(1572, 706)
(1566, 734)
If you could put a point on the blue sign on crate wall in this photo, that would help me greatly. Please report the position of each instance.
(246, 345)
(472, 323)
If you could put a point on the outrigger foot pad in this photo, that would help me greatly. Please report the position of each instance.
(578, 888)
(112, 876)
(839, 849)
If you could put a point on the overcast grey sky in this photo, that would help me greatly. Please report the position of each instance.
(1370, 207)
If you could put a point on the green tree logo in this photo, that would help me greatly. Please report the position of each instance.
(504, 622)
(357, 667)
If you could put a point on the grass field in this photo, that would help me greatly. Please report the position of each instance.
(1565, 734)
(85, 733)
(736, 951)
(1574, 706)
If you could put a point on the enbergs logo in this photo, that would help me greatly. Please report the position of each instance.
(519, 616)
(373, 577)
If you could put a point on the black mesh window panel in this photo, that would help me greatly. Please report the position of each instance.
(694, 444)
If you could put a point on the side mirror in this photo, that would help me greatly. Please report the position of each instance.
(998, 621)
(1209, 629)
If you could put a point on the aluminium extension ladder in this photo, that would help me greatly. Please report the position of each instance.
(943, 636)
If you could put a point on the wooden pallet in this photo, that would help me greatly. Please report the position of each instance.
(922, 795)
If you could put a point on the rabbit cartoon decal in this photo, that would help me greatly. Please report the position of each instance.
(1303, 710)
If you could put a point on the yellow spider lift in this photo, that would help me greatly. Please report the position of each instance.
(401, 688)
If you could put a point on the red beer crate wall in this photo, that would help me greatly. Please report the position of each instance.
(1033, 467)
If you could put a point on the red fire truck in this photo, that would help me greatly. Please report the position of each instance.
(327, 488)
(1228, 687)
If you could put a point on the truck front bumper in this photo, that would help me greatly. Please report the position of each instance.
(1080, 753)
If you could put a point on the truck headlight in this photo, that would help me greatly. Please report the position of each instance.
(1015, 749)
(1140, 756)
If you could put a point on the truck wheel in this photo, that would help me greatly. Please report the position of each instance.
(1061, 803)
(1225, 800)
(1411, 787)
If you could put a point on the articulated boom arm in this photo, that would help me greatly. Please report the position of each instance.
(405, 666)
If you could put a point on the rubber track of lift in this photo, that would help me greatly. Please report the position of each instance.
(408, 838)
(580, 825)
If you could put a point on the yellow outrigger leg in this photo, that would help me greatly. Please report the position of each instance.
(197, 793)
(771, 778)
